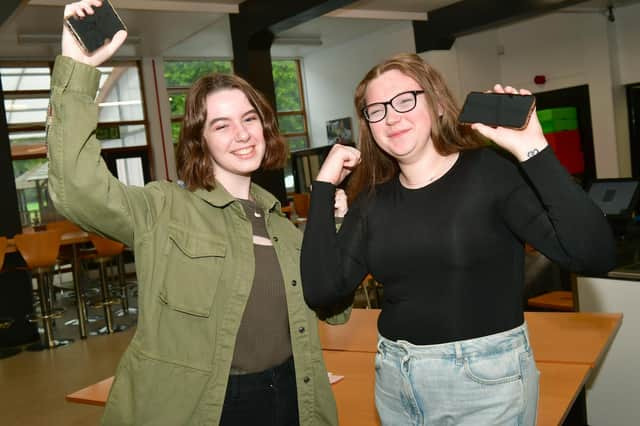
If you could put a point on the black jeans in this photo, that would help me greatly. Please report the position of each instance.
(267, 398)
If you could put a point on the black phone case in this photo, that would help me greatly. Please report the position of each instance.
(92, 30)
(498, 109)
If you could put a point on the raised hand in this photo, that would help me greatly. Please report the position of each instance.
(70, 46)
(524, 143)
(340, 205)
(340, 161)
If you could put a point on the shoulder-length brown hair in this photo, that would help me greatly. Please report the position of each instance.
(447, 134)
(194, 164)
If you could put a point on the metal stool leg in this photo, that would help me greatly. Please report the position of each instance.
(107, 300)
(46, 316)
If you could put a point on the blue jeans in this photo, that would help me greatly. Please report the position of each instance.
(490, 380)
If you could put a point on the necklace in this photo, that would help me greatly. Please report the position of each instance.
(441, 170)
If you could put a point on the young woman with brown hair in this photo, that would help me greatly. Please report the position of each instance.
(223, 335)
(441, 221)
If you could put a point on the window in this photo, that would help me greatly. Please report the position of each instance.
(122, 130)
(290, 105)
(179, 76)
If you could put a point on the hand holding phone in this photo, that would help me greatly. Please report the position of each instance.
(510, 122)
(498, 109)
(93, 30)
(73, 48)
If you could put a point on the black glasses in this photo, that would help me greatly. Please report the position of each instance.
(402, 102)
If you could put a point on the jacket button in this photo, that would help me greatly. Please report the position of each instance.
(275, 239)
(306, 379)
(301, 330)
(294, 283)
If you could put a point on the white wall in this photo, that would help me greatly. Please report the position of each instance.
(570, 50)
(331, 75)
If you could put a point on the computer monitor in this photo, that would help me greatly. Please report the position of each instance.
(617, 198)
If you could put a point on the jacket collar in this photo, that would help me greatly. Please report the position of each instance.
(219, 197)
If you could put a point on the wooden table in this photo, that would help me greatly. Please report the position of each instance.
(559, 386)
(359, 334)
(571, 337)
(66, 239)
(95, 394)
(566, 337)
(554, 300)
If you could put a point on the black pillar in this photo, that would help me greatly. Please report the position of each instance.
(15, 285)
(252, 33)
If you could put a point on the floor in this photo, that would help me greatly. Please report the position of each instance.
(33, 385)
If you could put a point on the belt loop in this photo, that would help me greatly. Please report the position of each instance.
(380, 344)
(458, 348)
(525, 332)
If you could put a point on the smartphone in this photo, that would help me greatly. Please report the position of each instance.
(92, 30)
(497, 109)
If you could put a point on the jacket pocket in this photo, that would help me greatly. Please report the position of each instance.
(194, 265)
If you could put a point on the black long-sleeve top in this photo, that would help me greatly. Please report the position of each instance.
(450, 255)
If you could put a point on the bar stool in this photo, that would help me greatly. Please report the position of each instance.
(106, 251)
(40, 251)
(6, 322)
(73, 255)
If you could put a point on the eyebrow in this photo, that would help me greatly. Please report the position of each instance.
(218, 119)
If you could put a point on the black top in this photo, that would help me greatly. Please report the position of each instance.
(450, 255)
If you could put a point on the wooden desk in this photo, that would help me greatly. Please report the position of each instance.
(66, 239)
(559, 386)
(95, 394)
(359, 334)
(554, 300)
(355, 393)
(566, 337)
(571, 337)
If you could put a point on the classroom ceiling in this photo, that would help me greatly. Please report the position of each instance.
(200, 28)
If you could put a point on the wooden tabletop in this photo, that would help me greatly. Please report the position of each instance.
(559, 386)
(575, 337)
(359, 334)
(95, 394)
(554, 300)
(68, 238)
(571, 337)
(355, 393)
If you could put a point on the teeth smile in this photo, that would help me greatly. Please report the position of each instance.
(244, 151)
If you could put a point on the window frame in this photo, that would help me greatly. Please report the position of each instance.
(110, 155)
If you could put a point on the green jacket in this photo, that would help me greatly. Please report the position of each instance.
(195, 267)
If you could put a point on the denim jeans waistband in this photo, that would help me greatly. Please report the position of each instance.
(493, 343)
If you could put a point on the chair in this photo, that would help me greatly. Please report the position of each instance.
(40, 252)
(107, 251)
(301, 203)
(71, 255)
